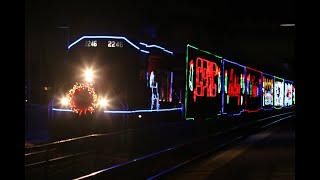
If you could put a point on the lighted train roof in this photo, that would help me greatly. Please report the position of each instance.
(139, 47)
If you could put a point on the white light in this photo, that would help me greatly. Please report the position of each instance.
(89, 75)
(287, 25)
(103, 102)
(26, 100)
(140, 116)
(64, 101)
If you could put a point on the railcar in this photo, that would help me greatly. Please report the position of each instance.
(109, 80)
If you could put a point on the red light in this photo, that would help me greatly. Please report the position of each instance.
(205, 73)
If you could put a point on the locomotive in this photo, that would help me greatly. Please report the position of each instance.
(112, 79)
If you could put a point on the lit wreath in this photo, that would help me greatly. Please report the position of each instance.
(82, 98)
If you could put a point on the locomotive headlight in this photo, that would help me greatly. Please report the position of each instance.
(103, 102)
(89, 75)
(64, 101)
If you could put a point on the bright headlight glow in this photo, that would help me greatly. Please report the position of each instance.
(89, 75)
(103, 102)
(64, 101)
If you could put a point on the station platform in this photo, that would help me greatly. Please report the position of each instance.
(268, 155)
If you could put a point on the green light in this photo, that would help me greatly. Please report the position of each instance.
(277, 107)
(187, 68)
(226, 83)
(218, 56)
(279, 78)
(242, 83)
(186, 93)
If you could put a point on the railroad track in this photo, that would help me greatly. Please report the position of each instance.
(156, 164)
(80, 156)
(46, 160)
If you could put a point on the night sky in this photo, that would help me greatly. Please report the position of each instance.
(245, 32)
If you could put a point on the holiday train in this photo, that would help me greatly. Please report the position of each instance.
(112, 77)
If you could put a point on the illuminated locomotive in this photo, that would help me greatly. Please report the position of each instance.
(112, 77)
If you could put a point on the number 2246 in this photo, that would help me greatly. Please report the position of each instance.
(115, 44)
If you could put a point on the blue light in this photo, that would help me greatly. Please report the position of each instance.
(62, 110)
(143, 44)
(103, 37)
(223, 91)
(156, 46)
(286, 83)
(125, 112)
(147, 110)
(285, 80)
(235, 114)
(267, 74)
(144, 51)
(168, 51)
(234, 63)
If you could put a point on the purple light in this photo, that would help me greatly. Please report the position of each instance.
(171, 81)
(233, 63)
(223, 91)
(235, 114)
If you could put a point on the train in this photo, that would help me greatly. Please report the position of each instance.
(109, 79)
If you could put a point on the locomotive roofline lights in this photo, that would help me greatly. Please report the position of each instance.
(103, 37)
(156, 46)
(124, 38)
